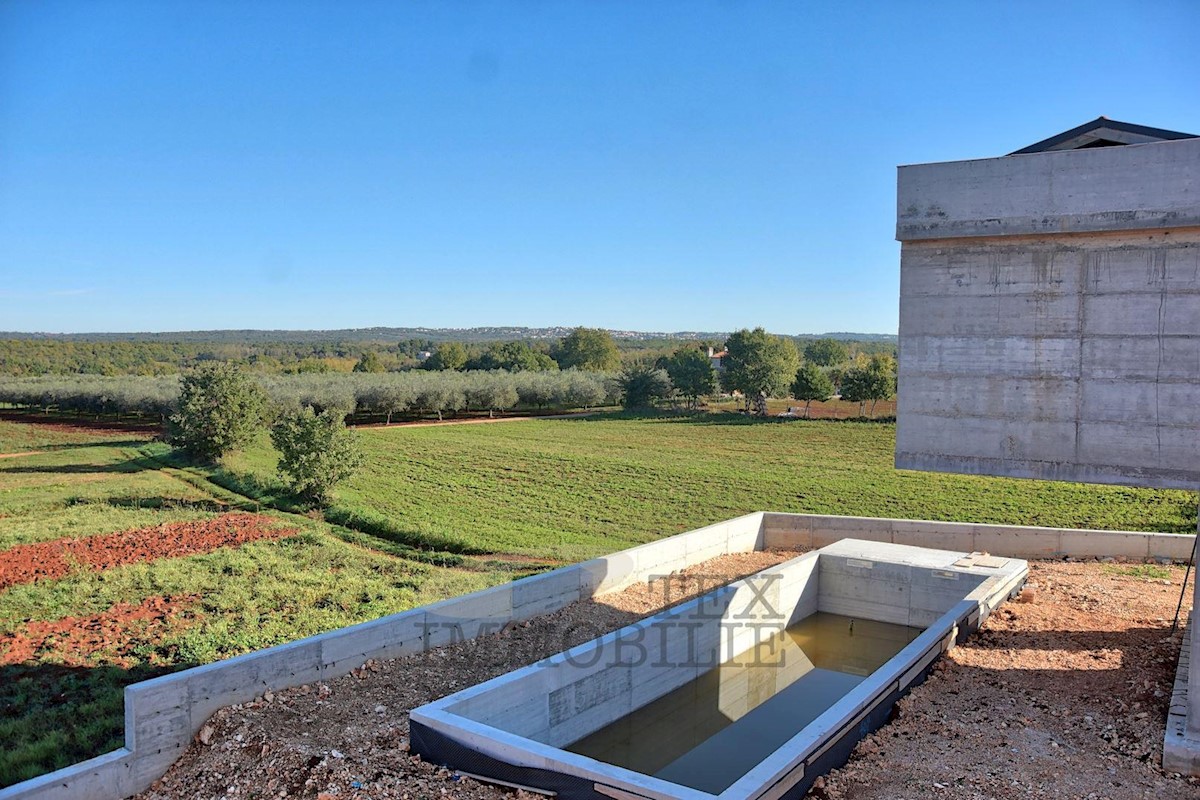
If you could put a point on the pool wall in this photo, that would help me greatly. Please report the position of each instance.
(514, 727)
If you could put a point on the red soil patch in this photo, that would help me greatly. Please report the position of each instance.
(31, 562)
(112, 634)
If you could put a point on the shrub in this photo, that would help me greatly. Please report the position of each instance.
(316, 452)
(811, 384)
(641, 385)
(220, 410)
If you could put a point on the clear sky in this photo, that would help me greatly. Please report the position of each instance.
(644, 165)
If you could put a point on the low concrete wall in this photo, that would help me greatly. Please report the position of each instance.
(1181, 753)
(162, 715)
(805, 531)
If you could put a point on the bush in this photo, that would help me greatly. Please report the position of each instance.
(316, 452)
(692, 373)
(641, 385)
(811, 384)
(872, 381)
(220, 410)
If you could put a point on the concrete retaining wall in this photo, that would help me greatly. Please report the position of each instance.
(805, 531)
(162, 715)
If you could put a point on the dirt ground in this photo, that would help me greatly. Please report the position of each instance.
(1062, 696)
(26, 563)
(115, 635)
(88, 425)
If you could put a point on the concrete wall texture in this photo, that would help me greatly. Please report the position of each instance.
(1050, 315)
(1050, 325)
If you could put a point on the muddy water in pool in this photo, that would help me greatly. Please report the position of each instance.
(709, 732)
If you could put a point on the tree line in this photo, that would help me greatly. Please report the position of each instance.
(151, 354)
(583, 348)
(384, 395)
(506, 376)
(758, 366)
(28, 357)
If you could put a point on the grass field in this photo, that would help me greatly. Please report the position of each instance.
(69, 645)
(571, 489)
(436, 511)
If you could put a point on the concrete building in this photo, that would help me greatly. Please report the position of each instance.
(1050, 321)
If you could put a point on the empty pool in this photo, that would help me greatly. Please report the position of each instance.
(749, 691)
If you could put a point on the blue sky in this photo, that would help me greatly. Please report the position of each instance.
(645, 165)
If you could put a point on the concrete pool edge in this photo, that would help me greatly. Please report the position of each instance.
(459, 730)
(837, 731)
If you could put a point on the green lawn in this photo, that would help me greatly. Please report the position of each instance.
(572, 489)
(21, 437)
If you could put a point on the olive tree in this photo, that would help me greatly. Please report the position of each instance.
(811, 384)
(494, 391)
(316, 452)
(220, 409)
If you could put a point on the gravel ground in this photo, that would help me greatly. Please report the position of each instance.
(1064, 695)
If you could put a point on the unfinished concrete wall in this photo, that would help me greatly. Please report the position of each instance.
(1050, 315)
(1050, 323)
(806, 531)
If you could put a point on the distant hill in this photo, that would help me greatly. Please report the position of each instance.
(481, 334)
